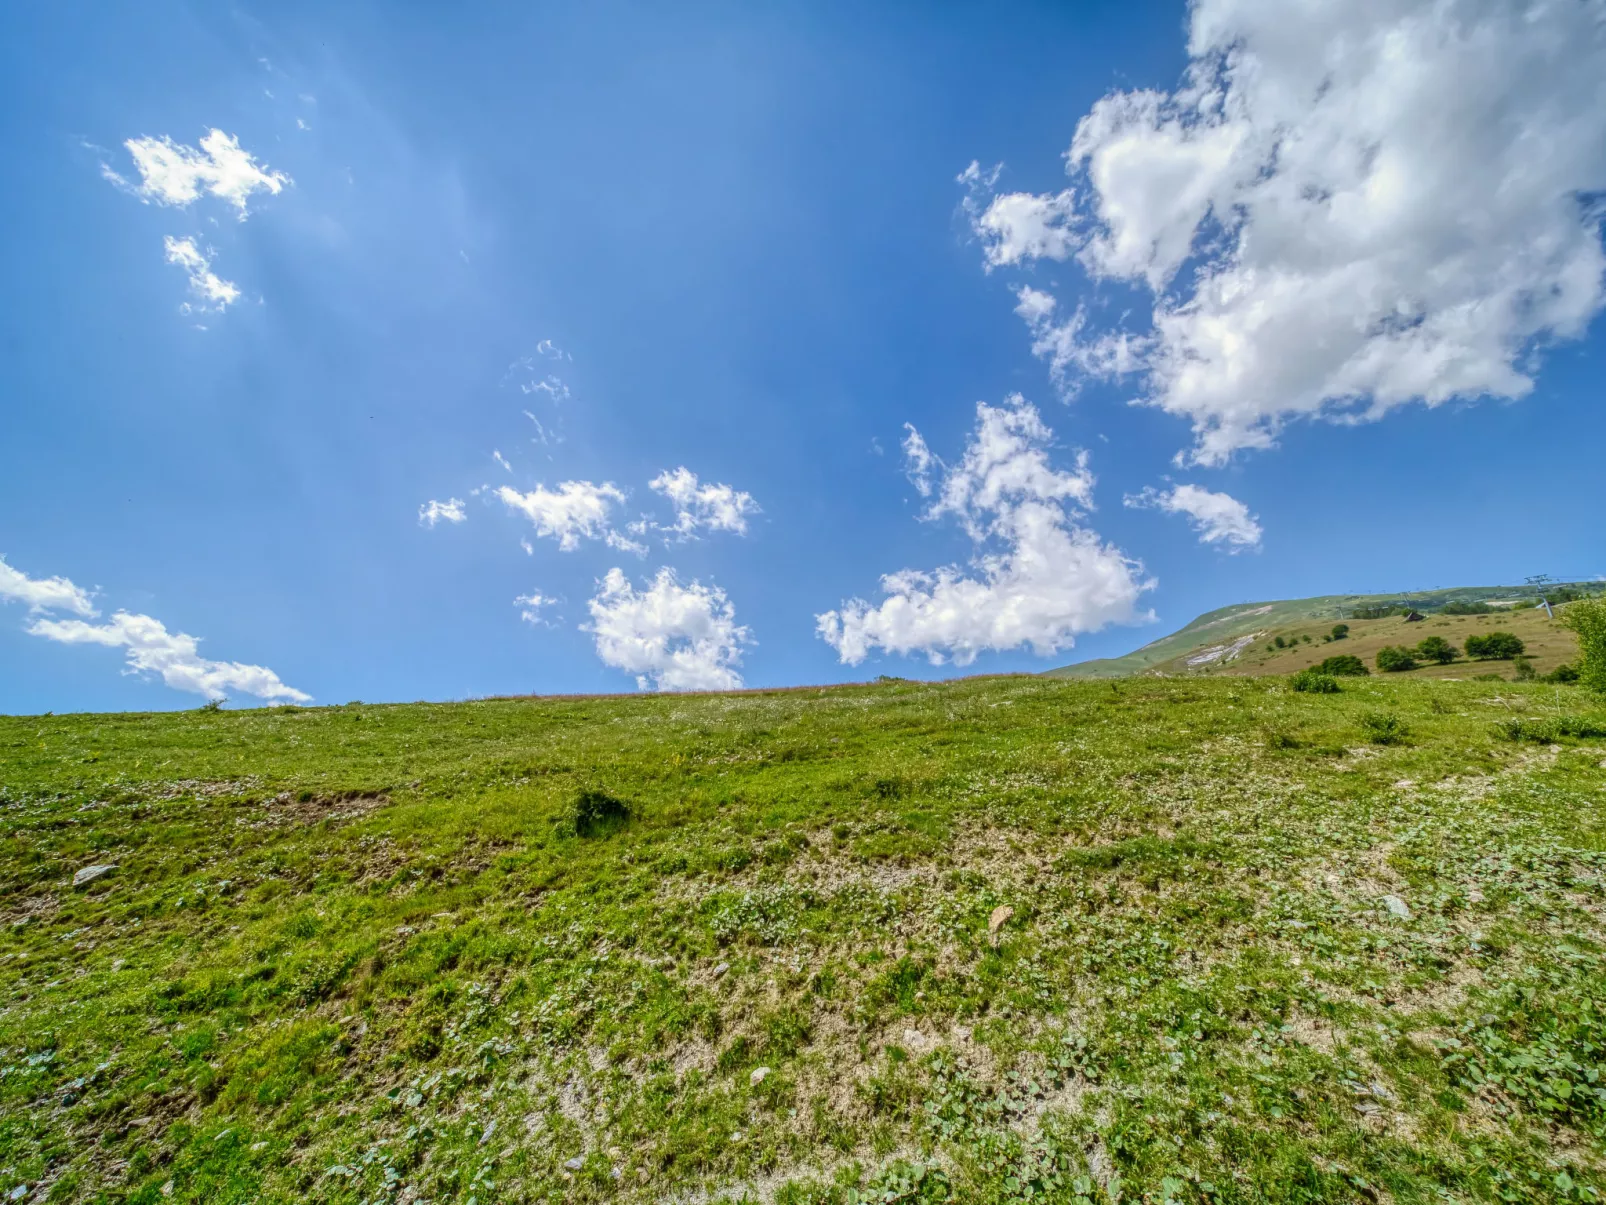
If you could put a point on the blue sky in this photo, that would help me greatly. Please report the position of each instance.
(735, 240)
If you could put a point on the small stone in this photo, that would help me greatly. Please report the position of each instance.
(760, 1074)
(1405, 784)
(167, 1189)
(574, 1164)
(721, 969)
(1000, 916)
(88, 874)
(1555, 748)
(1397, 907)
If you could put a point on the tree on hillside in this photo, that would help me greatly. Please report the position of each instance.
(1340, 631)
(1588, 620)
(1438, 649)
(1345, 665)
(1394, 659)
(1494, 646)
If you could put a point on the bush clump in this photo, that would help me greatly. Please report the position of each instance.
(1384, 728)
(1466, 608)
(1340, 631)
(594, 812)
(1495, 646)
(1394, 659)
(1345, 665)
(1587, 620)
(1562, 675)
(1314, 682)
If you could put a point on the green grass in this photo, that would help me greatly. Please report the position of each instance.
(1264, 946)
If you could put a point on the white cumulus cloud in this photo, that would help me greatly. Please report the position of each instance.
(1218, 518)
(172, 173)
(151, 648)
(576, 510)
(43, 593)
(714, 506)
(1038, 579)
(174, 656)
(212, 292)
(1344, 208)
(433, 512)
(670, 636)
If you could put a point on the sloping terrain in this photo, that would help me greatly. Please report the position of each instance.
(1226, 639)
(1007, 939)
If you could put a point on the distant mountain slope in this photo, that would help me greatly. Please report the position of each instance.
(1224, 639)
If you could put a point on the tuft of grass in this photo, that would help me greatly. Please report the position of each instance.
(1313, 682)
(595, 812)
(1384, 728)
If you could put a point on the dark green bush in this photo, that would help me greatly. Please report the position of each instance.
(1340, 631)
(594, 812)
(1466, 608)
(1345, 665)
(1393, 659)
(1384, 728)
(1562, 675)
(1313, 682)
(1280, 642)
(1494, 646)
(1437, 649)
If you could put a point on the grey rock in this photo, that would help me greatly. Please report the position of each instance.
(88, 874)
(760, 1074)
(574, 1164)
(721, 969)
(1397, 907)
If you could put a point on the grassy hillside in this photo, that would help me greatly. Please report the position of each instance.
(1200, 940)
(1224, 640)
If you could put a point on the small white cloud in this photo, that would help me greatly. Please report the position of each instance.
(918, 459)
(551, 351)
(529, 548)
(530, 607)
(212, 291)
(1020, 226)
(433, 512)
(574, 511)
(43, 593)
(174, 174)
(1039, 578)
(714, 506)
(174, 656)
(302, 125)
(670, 636)
(500, 459)
(1218, 518)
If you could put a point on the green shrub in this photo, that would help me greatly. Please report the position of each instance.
(1587, 619)
(594, 812)
(1466, 608)
(1550, 729)
(1525, 670)
(1494, 646)
(1345, 665)
(1313, 682)
(1394, 659)
(1562, 674)
(1437, 649)
(1280, 642)
(1340, 631)
(1384, 728)
(1374, 612)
